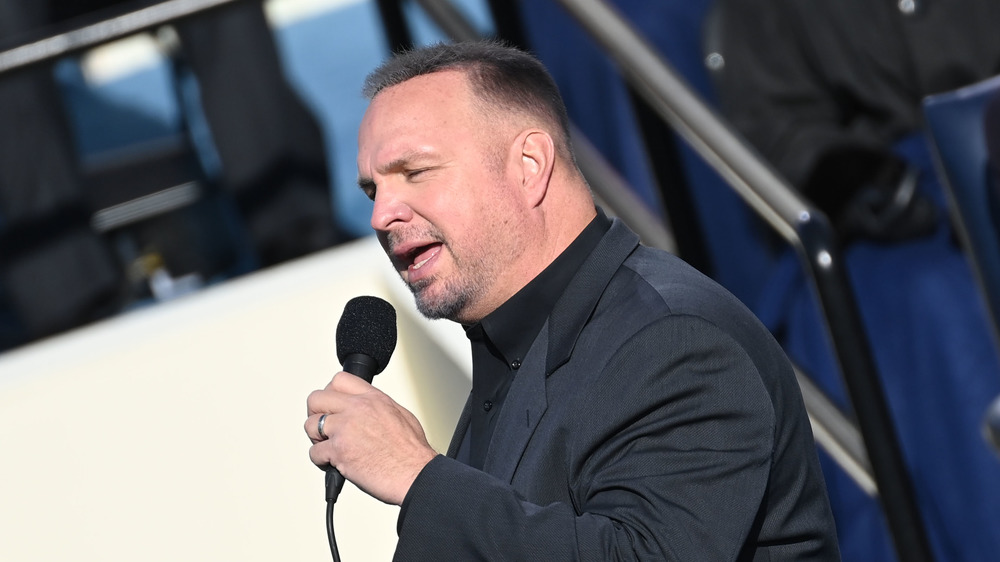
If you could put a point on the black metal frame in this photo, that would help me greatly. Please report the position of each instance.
(397, 32)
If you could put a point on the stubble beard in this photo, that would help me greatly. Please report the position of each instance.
(475, 271)
(438, 298)
(455, 297)
(449, 304)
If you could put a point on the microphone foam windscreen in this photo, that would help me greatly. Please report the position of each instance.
(368, 327)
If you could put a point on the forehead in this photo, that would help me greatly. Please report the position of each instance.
(425, 109)
(429, 97)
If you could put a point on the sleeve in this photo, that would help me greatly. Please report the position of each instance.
(784, 87)
(774, 90)
(668, 459)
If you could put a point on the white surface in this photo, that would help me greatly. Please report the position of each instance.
(175, 432)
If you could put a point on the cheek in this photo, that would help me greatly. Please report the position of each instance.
(498, 226)
(472, 212)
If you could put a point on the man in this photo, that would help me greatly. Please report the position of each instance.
(623, 405)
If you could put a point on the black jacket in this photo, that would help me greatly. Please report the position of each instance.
(654, 418)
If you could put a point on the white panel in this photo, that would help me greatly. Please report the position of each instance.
(175, 432)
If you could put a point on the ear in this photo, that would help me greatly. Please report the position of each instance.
(537, 160)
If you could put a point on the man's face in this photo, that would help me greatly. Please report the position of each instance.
(446, 211)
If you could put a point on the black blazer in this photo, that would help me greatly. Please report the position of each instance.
(654, 418)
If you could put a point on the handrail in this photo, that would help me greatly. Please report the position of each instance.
(836, 435)
(133, 21)
(801, 225)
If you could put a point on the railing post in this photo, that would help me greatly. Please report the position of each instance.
(825, 263)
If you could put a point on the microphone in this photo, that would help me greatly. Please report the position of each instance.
(366, 338)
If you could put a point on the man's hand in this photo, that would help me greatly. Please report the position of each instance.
(373, 441)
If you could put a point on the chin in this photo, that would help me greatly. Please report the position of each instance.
(438, 306)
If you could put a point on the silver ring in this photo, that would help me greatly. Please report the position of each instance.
(322, 422)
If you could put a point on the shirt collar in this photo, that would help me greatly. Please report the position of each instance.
(514, 325)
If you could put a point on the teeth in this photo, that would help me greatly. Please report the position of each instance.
(419, 264)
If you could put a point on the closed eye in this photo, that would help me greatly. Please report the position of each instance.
(368, 187)
(414, 174)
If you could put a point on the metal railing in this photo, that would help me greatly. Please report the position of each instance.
(129, 22)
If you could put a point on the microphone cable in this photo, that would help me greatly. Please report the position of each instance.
(334, 483)
(329, 531)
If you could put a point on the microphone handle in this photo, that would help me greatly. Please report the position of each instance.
(334, 483)
(363, 366)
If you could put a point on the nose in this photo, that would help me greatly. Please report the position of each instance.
(389, 208)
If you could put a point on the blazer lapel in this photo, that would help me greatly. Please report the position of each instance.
(522, 410)
(526, 400)
(575, 306)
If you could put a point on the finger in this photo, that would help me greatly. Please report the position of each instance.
(321, 426)
(324, 401)
(316, 401)
(312, 427)
(320, 456)
(349, 384)
(334, 377)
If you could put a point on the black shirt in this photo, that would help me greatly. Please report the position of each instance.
(501, 340)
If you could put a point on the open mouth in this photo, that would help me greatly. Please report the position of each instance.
(425, 257)
(417, 260)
